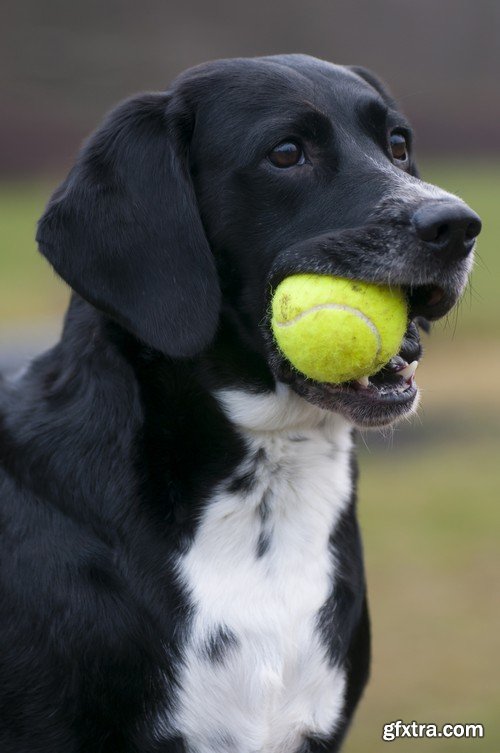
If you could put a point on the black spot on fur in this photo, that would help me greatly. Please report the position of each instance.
(243, 483)
(265, 505)
(246, 481)
(260, 456)
(263, 543)
(218, 645)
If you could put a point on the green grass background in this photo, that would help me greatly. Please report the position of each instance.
(429, 493)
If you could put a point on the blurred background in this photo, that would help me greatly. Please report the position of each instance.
(430, 490)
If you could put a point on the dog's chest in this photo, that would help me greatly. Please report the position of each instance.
(256, 675)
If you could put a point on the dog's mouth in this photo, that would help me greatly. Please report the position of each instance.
(395, 382)
(389, 394)
(378, 400)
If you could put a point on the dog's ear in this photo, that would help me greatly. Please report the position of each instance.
(374, 81)
(124, 230)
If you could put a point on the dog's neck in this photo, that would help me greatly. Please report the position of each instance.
(278, 411)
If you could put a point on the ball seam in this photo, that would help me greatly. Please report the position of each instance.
(336, 307)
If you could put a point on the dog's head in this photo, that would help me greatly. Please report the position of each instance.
(187, 208)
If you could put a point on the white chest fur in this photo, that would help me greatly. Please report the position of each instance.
(259, 570)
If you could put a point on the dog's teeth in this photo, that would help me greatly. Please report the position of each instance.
(408, 371)
(364, 382)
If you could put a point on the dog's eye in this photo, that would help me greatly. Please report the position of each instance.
(286, 154)
(399, 147)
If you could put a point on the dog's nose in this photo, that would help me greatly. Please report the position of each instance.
(448, 226)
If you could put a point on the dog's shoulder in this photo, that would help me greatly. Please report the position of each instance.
(78, 614)
(65, 468)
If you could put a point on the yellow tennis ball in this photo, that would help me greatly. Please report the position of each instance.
(333, 329)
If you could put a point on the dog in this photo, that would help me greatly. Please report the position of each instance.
(181, 563)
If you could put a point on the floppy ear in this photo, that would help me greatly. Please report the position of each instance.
(374, 81)
(124, 230)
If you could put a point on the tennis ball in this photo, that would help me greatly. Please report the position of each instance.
(333, 329)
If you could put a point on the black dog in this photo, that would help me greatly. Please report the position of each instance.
(181, 563)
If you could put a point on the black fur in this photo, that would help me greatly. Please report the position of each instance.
(172, 229)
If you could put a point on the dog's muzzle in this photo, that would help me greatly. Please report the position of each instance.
(427, 252)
